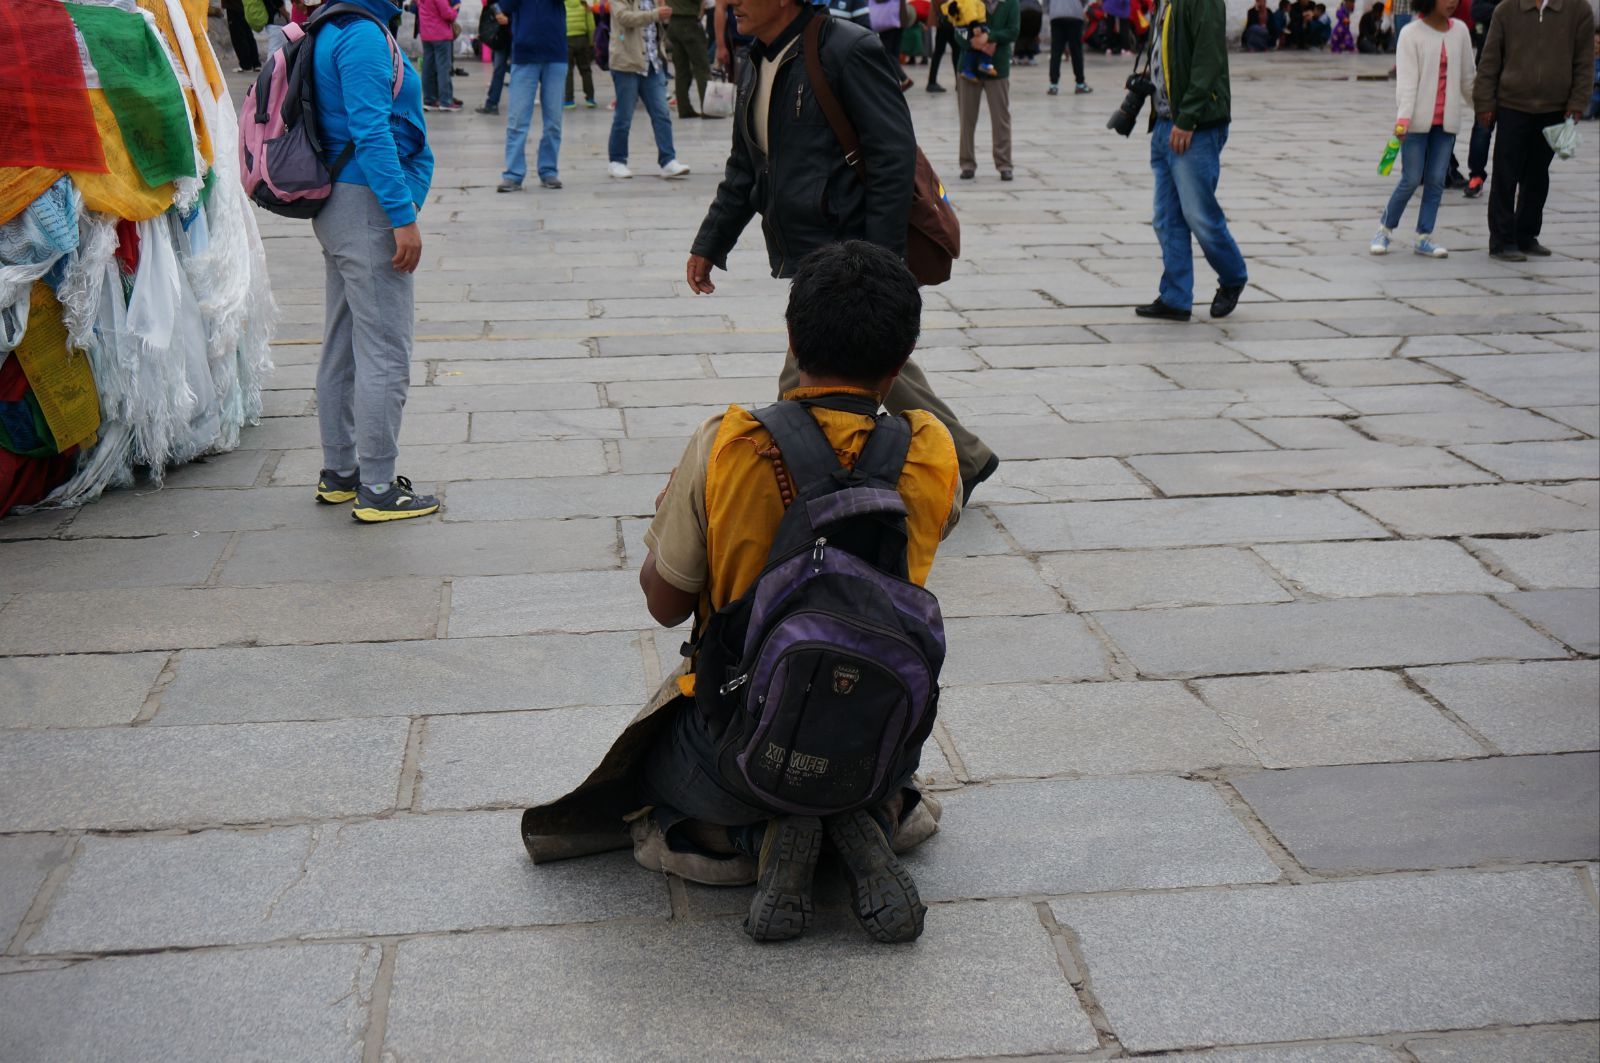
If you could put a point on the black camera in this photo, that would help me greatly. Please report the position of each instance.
(1140, 88)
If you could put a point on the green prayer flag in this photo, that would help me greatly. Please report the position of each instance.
(142, 89)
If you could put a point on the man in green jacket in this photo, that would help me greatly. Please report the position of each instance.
(1005, 22)
(1189, 127)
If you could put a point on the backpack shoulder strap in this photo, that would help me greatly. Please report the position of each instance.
(806, 451)
(884, 456)
(843, 131)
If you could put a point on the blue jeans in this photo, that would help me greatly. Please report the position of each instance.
(1424, 160)
(436, 66)
(1186, 202)
(630, 87)
(1399, 24)
(497, 79)
(1478, 149)
(547, 81)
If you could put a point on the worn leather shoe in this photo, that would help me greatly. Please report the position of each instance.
(1161, 311)
(1536, 249)
(1226, 299)
(1507, 254)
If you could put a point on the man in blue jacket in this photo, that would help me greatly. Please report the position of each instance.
(370, 248)
(538, 66)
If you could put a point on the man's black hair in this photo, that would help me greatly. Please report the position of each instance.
(854, 312)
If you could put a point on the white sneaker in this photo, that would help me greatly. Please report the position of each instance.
(620, 171)
(1426, 247)
(674, 169)
(1380, 243)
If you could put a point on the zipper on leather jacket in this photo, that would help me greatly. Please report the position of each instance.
(772, 156)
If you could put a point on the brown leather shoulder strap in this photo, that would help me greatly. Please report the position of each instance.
(842, 129)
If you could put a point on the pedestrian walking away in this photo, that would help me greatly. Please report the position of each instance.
(992, 90)
(944, 37)
(436, 25)
(1188, 46)
(1537, 70)
(371, 247)
(1433, 92)
(494, 33)
(580, 53)
(750, 485)
(245, 49)
(639, 71)
(690, 55)
(787, 165)
(538, 72)
(1066, 34)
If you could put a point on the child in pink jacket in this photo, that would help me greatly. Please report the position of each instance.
(436, 25)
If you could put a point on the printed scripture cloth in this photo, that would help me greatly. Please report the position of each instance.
(45, 120)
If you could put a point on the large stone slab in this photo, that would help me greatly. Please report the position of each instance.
(406, 875)
(1063, 480)
(1086, 729)
(1104, 834)
(1335, 1052)
(1547, 379)
(304, 1003)
(1055, 439)
(1509, 1046)
(418, 678)
(1576, 459)
(1385, 817)
(1136, 579)
(156, 618)
(577, 602)
(428, 465)
(1334, 718)
(433, 549)
(983, 980)
(1571, 616)
(516, 758)
(179, 511)
(26, 860)
(1368, 465)
(992, 586)
(1355, 570)
(1547, 561)
(1343, 633)
(1412, 398)
(1165, 522)
(1446, 429)
(1011, 649)
(1339, 959)
(561, 499)
(1486, 510)
(82, 690)
(153, 777)
(1532, 707)
(68, 565)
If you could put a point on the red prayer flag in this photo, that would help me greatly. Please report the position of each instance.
(46, 119)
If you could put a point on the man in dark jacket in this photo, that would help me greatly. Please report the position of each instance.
(1536, 71)
(786, 165)
(538, 69)
(1189, 127)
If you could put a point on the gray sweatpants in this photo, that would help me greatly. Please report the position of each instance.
(366, 336)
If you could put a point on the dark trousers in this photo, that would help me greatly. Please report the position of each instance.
(688, 43)
(890, 39)
(944, 37)
(1521, 178)
(580, 54)
(1066, 34)
(1478, 150)
(497, 79)
(244, 42)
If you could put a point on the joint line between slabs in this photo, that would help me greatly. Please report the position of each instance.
(378, 1005)
(1069, 956)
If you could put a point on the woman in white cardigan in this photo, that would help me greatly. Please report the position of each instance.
(1433, 88)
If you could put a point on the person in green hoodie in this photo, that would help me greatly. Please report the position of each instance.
(1005, 23)
(580, 51)
(1188, 130)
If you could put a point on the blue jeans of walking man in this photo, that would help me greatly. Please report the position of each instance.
(547, 81)
(1185, 204)
(1424, 160)
(653, 88)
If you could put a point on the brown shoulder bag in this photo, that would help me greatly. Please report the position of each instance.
(933, 233)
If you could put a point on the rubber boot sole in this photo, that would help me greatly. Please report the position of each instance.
(883, 894)
(782, 906)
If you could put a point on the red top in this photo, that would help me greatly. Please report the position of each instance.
(1438, 99)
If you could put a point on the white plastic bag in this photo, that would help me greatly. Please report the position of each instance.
(1563, 139)
(719, 98)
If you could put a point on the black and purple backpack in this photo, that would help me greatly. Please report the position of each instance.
(822, 681)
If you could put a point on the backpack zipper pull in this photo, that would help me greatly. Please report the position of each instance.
(817, 552)
(733, 684)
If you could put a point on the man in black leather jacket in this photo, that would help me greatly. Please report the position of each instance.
(787, 165)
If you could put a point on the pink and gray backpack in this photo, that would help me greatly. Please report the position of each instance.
(280, 149)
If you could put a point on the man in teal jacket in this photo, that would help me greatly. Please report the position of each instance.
(1189, 127)
(370, 247)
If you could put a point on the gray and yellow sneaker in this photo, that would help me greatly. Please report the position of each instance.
(782, 906)
(399, 502)
(883, 894)
(334, 490)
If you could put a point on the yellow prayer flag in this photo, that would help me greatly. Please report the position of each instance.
(61, 379)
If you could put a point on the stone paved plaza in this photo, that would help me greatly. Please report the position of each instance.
(1271, 710)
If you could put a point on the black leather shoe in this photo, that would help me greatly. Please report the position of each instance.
(967, 175)
(1006, 175)
(1226, 299)
(1162, 311)
(969, 486)
(1507, 254)
(1535, 248)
